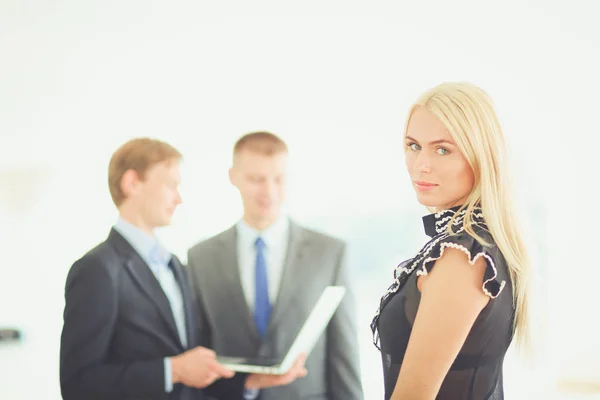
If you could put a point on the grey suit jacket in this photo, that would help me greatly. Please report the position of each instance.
(313, 262)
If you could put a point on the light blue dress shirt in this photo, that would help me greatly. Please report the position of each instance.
(158, 260)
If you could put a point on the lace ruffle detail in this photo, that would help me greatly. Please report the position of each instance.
(436, 225)
(490, 286)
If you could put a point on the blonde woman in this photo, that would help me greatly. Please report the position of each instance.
(446, 322)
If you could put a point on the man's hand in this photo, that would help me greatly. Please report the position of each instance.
(258, 381)
(197, 368)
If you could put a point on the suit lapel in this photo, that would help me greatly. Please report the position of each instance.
(146, 281)
(182, 280)
(229, 268)
(292, 274)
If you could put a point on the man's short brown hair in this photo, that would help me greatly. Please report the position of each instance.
(139, 155)
(261, 142)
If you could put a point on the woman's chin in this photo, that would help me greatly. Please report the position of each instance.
(427, 201)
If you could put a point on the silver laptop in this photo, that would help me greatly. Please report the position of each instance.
(312, 329)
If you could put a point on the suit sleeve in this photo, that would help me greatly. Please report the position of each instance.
(90, 314)
(222, 389)
(201, 323)
(343, 364)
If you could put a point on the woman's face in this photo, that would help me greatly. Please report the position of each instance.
(439, 172)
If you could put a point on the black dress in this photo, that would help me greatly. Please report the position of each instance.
(477, 370)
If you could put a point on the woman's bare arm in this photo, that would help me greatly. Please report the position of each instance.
(451, 299)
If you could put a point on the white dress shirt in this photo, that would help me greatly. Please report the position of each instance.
(276, 238)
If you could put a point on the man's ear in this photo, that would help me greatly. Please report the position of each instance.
(129, 182)
(232, 177)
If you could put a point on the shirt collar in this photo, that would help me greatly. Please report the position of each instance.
(147, 246)
(437, 223)
(272, 236)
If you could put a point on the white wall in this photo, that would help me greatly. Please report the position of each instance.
(335, 80)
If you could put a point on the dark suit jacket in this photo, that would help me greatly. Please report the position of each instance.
(118, 327)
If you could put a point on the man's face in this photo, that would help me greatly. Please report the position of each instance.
(261, 181)
(156, 196)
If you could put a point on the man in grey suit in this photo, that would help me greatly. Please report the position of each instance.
(258, 281)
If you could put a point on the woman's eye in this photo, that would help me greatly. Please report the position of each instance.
(414, 146)
(442, 151)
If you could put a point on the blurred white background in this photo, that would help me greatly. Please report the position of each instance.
(335, 80)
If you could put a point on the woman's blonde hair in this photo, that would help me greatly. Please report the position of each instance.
(468, 114)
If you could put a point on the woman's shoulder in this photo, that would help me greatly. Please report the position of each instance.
(475, 243)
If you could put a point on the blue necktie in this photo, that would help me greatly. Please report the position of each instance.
(262, 305)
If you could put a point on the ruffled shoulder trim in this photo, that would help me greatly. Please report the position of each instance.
(493, 280)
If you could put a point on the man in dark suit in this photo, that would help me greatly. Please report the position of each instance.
(130, 321)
